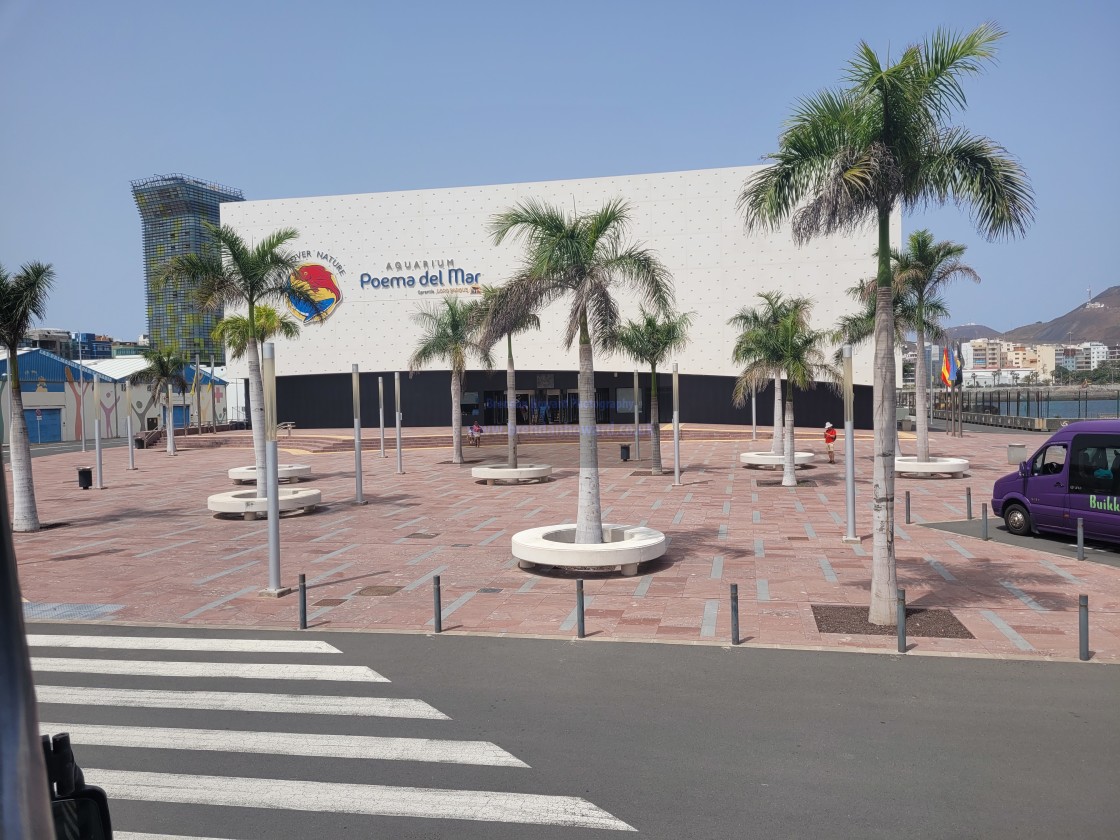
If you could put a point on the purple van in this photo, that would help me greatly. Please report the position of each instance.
(1074, 475)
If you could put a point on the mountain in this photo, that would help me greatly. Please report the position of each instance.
(1097, 320)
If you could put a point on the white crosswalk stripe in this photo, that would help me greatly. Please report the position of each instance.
(166, 643)
(289, 743)
(340, 798)
(236, 670)
(234, 701)
(204, 713)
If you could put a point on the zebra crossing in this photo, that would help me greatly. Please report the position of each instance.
(183, 757)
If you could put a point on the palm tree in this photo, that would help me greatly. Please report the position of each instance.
(788, 347)
(580, 258)
(926, 267)
(767, 316)
(232, 272)
(858, 327)
(163, 373)
(451, 335)
(528, 321)
(852, 156)
(651, 340)
(23, 296)
(233, 331)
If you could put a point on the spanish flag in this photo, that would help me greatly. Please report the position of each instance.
(950, 367)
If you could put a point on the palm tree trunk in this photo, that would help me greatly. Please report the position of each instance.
(456, 417)
(256, 410)
(25, 514)
(789, 474)
(511, 405)
(589, 513)
(921, 378)
(884, 585)
(776, 443)
(654, 422)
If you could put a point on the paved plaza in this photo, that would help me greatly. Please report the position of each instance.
(147, 550)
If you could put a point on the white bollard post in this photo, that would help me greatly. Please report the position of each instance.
(169, 426)
(849, 447)
(359, 499)
(128, 425)
(400, 454)
(97, 485)
(637, 437)
(381, 412)
(754, 418)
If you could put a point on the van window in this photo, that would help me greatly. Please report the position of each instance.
(1050, 460)
(1096, 464)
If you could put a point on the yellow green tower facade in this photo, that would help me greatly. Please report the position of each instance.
(172, 210)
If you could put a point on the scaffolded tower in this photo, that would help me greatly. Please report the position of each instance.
(172, 210)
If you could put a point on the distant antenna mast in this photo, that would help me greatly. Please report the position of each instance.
(1090, 291)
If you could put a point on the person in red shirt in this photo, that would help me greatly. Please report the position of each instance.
(830, 442)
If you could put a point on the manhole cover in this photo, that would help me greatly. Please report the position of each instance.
(489, 590)
(462, 545)
(329, 602)
(642, 472)
(805, 539)
(379, 590)
(420, 535)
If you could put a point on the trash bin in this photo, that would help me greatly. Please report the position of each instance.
(624, 452)
(85, 478)
(140, 443)
(1016, 453)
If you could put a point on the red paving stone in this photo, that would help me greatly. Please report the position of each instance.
(148, 544)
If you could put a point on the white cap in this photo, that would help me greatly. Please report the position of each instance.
(828, 425)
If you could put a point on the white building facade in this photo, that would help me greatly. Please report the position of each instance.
(373, 260)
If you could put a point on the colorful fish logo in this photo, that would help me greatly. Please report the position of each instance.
(317, 282)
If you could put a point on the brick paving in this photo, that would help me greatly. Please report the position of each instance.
(147, 550)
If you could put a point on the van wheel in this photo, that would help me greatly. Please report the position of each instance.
(1017, 519)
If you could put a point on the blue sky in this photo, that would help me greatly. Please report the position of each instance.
(292, 99)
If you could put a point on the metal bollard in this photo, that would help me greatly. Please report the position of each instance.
(984, 521)
(907, 507)
(437, 598)
(901, 621)
(1083, 626)
(968, 502)
(579, 609)
(1080, 538)
(734, 613)
(303, 602)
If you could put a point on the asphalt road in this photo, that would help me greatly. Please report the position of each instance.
(676, 741)
(1063, 546)
(42, 450)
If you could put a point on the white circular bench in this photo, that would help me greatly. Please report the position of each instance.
(910, 465)
(525, 472)
(554, 545)
(289, 472)
(247, 503)
(769, 459)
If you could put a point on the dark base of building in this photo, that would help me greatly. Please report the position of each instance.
(324, 401)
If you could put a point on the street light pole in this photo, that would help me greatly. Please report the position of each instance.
(82, 391)
(271, 459)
